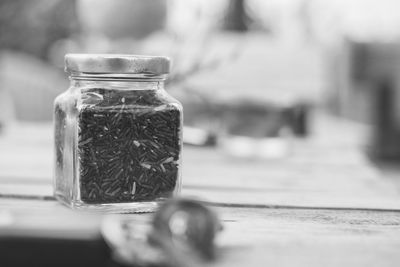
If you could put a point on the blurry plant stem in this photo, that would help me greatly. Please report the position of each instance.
(236, 18)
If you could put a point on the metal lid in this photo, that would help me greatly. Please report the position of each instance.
(117, 64)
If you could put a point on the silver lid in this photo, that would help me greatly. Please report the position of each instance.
(117, 64)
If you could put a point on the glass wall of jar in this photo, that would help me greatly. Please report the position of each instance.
(118, 134)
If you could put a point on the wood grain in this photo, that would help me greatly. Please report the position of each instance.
(327, 170)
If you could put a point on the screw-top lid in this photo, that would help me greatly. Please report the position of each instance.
(117, 64)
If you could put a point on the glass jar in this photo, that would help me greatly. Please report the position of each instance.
(118, 134)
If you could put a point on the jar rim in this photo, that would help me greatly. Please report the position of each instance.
(117, 64)
(116, 77)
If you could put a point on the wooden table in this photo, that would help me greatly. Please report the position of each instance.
(323, 205)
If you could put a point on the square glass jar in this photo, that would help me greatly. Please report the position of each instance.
(118, 134)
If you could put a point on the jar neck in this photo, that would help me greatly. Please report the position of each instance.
(118, 84)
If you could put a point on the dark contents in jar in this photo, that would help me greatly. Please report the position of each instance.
(60, 118)
(128, 149)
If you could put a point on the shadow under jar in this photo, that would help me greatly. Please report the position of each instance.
(118, 134)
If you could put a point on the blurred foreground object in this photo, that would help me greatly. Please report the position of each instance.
(181, 233)
(189, 225)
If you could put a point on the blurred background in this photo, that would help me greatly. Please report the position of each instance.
(255, 77)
